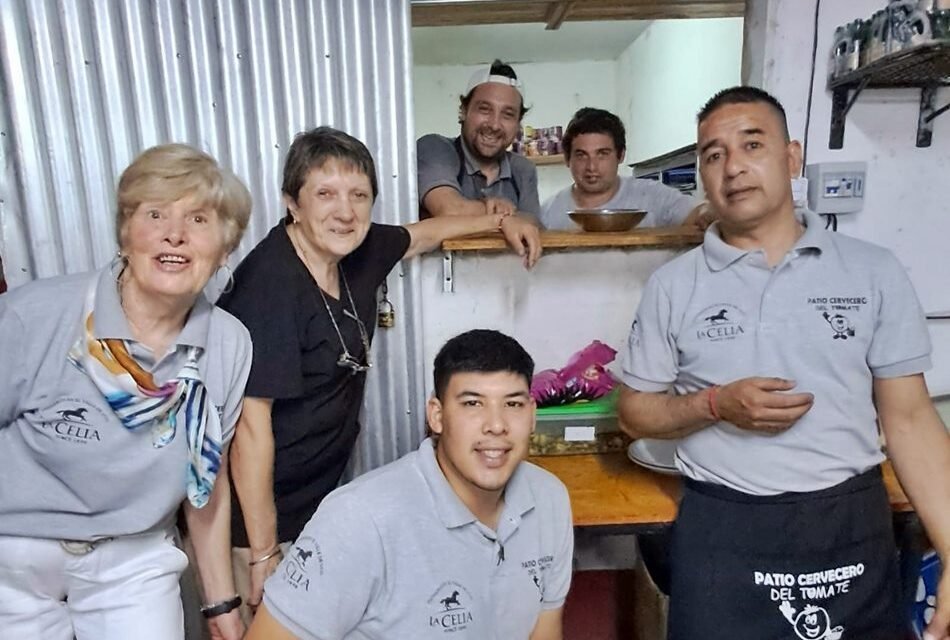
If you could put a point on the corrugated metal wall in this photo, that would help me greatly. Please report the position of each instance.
(87, 84)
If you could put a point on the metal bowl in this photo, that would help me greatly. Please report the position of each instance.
(607, 219)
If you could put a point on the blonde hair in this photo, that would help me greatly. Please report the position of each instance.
(169, 172)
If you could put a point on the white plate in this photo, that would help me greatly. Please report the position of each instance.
(656, 455)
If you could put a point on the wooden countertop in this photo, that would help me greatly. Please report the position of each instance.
(657, 237)
(609, 489)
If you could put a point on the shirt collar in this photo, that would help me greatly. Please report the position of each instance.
(719, 254)
(471, 166)
(519, 498)
(109, 319)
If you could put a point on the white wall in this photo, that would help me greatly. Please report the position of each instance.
(553, 91)
(667, 74)
(907, 207)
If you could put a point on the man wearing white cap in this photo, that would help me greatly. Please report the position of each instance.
(474, 173)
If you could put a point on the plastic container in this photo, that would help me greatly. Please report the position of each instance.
(925, 599)
(579, 427)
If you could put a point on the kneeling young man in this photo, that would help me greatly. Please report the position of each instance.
(460, 537)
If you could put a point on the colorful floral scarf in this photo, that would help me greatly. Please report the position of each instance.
(139, 402)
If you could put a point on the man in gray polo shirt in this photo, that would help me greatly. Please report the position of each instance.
(783, 344)
(595, 142)
(474, 173)
(459, 539)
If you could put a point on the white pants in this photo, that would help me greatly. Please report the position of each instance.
(123, 588)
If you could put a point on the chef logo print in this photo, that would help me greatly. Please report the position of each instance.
(302, 563)
(635, 332)
(719, 323)
(801, 596)
(449, 608)
(839, 313)
(536, 569)
(811, 623)
(842, 327)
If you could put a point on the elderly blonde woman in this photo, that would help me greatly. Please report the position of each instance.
(119, 392)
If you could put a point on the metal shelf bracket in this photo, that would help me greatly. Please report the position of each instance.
(928, 114)
(841, 104)
(448, 277)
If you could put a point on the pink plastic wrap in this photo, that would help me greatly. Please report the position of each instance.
(585, 377)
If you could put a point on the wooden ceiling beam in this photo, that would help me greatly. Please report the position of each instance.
(557, 13)
(550, 13)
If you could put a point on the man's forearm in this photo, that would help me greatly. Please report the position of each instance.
(920, 453)
(659, 415)
(252, 468)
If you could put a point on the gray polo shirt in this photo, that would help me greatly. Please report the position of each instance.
(439, 166)
(395, 555)
(836, 313)
(70, 469)
(665, 206)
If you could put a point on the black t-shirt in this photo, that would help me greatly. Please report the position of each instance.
(316, 403)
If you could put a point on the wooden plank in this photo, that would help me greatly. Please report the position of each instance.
(434, 14)
(542, 161)
(556, 14)
(609, 489)
(654, 237)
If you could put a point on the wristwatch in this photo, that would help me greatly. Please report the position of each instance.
(220, 608)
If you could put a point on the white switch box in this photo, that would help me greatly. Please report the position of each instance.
(836, 187)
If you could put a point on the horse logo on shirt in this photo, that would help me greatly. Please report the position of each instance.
(73, 415)
(453, 599)
(447, 612)
(302, 555)
(811, 623)
(840, 325)
(721, 322)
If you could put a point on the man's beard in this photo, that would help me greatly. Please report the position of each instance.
(479, 156)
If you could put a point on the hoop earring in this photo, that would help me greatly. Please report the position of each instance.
(121, 261)
(229, 287)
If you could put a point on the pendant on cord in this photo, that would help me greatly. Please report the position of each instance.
(385, 311)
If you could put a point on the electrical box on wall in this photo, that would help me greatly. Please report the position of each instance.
(836, 187)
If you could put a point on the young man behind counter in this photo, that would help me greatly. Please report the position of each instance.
(785, 344)
(459, 539)
(595, 144)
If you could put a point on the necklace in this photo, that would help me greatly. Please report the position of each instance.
(346, 359)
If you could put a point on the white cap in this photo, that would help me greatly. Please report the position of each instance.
(481, 76)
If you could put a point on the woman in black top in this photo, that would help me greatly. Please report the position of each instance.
(307, 294)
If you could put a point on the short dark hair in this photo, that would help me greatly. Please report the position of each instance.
(744, 95)
(591, 120)
(498, 68)
(481, 351)
(312, 149)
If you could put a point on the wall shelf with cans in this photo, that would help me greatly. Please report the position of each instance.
(925, 66)
(543, 161)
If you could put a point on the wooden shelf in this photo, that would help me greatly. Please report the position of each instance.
(926, 66)
(543, 161)
(661, 237)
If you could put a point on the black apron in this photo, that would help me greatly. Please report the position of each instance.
(795, 566)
